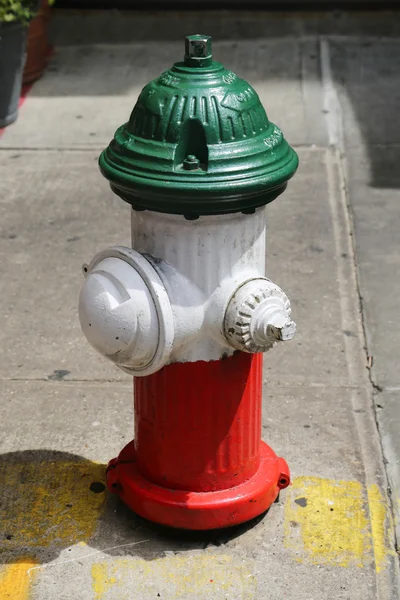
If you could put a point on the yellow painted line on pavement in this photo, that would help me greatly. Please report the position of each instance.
(41, 504)
(378, 513)
(338, 523)
(174, 577)
(49, 503)
(16, 580)
(102, 581)
(326, 523)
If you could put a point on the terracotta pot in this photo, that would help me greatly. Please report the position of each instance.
(37, 44)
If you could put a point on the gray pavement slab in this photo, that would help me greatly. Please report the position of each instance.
(367, 78)
(77, 27)
(90, 546)
(115, 75)
(46, 235)
(365, 72)
(376, 216)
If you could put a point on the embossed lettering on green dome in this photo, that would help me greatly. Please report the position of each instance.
(227, 107)
(198, 108)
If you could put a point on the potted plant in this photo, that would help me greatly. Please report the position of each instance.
(14, 18)
(37, 50)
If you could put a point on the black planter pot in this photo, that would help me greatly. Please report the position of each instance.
(12, 61)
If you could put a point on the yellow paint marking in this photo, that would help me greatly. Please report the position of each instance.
(174, 577)
(48, 503)
(15, 581)
(101, 580)
(378, 511)
(326, 522)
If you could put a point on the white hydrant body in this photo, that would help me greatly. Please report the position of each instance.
(205, 273)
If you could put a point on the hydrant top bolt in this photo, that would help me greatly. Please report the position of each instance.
(198, 50)
(191, 163)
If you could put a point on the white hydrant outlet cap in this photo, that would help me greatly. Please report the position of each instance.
(257, 316)
(125, 312)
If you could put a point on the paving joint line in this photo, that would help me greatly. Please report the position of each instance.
(268, 382)
(51, 149)
(223, 43)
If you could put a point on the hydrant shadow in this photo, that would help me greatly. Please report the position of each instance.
(51, 501)
(155, 541)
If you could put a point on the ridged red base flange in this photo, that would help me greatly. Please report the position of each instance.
(198, 510)
(198, 461)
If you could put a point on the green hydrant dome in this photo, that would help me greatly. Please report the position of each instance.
(198, 142)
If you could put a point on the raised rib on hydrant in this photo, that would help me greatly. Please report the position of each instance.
(188, 310)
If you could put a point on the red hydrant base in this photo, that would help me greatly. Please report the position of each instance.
(198, 510)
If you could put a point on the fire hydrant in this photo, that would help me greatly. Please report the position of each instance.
(188, 310)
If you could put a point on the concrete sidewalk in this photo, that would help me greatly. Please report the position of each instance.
(65, 411)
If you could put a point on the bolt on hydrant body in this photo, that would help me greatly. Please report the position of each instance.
(188, 310)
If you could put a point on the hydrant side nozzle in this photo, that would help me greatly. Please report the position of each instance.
(257, 316)
(125, 312)
(271, 321)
